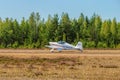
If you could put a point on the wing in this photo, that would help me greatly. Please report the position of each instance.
(55, 47)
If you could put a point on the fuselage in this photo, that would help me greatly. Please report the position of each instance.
(62, 45)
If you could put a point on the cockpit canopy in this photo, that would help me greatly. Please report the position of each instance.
(61, 42)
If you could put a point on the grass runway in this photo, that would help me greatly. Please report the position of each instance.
(20, 64)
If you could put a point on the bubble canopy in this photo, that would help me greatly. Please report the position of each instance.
(61, 42)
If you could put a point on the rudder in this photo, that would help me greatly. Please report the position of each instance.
(79, 46)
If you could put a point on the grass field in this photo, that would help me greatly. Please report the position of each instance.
(67, 65)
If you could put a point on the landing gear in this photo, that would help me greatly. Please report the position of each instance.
(52, 50)
(81, 51)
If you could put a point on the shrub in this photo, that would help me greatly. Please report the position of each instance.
(90, 44)
(15, 45)
(2, 45)
(102, 45)
(118, 46)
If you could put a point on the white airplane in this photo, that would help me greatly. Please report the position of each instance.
(62, 45)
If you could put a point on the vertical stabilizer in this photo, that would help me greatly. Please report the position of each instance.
(79, 46)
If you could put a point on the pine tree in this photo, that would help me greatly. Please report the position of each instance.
(65, 26)
(113, 29)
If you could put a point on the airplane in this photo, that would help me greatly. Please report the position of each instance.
(62, 45)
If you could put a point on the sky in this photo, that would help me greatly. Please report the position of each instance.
(16, 9)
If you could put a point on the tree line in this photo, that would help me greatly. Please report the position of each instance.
(36, 32)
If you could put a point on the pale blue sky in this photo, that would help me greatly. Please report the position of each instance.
(107, 9)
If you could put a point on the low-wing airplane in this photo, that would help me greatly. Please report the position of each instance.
(62, 45)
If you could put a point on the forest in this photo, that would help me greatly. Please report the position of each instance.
(36, 32)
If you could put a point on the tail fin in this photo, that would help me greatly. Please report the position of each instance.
(79, 46)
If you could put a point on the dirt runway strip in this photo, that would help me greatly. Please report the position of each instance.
(26, 53)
